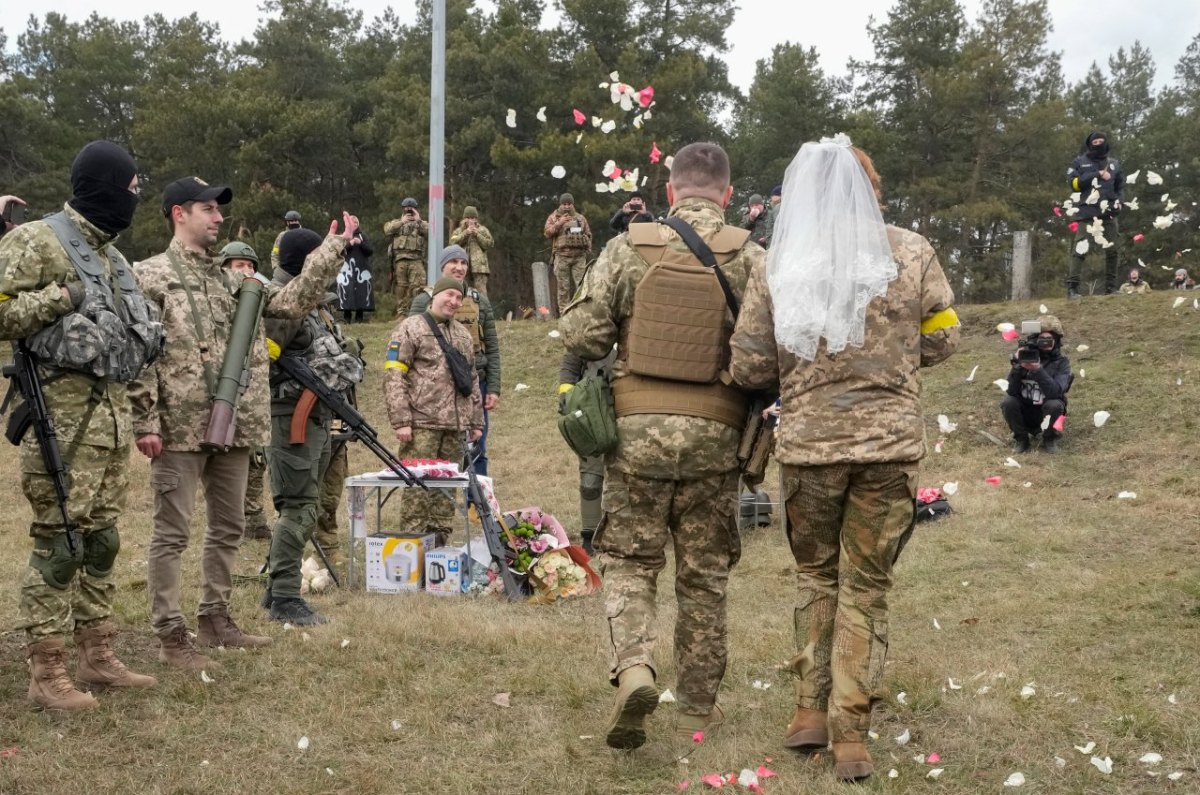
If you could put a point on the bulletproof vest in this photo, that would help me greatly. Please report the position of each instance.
(676, 343)
(115, 332)
(408, 242)
(572, 236)
(328, 356)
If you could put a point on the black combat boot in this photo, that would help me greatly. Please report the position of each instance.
(295, 611)
(1021, 443)
(587, 541)
(1050, 444)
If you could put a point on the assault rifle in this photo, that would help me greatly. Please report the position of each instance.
(24, 380)
(352, 421)
(503, 556)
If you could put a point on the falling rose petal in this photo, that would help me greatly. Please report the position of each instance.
(1133, 178)
(666, 697)
(1127, 495)
(608, 126)
(609, 167)
(541, 114)
(614, 76)
(698, 737)
(655, 152)
(646, 96)
(903, 738)
(302, 743)
(1150, 758)
(1099, 418)
(1103, 765)
(1061, 422)
(558, 172)
(1081, 247)
(994, 480)
(1086, 749)
(1139, 237)
(637, 122)
(1132, 204)
(933, 759)
(1045, 422)
(601, 187)
(1153, 178)
(1015, 780)
(1073, 226)
(945, 425)
(1057, 210)
(511, 119)
(670, 161)
(1012, 462)
(580, 118)
(950, 488)
(935, 773)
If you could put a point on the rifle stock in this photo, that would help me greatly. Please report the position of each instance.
(492, 533)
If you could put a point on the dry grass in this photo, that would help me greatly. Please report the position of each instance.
(1096, 601)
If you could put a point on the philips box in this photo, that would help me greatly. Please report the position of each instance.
(397, 563)
(446, 571)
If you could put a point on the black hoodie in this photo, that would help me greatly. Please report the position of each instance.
(1084, 177)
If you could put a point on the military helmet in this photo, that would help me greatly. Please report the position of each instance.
(238, 250)
(409, 202)
(291, 215)
(1052, 324)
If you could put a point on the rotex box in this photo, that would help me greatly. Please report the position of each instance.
(397, 563)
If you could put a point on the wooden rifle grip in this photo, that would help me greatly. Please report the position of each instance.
(298, 432)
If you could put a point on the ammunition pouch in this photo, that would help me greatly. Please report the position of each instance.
(756, 445)
(588, 421)
(54, 560)
(332, 361)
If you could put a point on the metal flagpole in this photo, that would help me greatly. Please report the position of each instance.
(437, 139)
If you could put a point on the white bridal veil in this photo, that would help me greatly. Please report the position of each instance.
(829, 253)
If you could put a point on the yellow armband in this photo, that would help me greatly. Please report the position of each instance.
(273, 349)
(565, 388)
(945, 319)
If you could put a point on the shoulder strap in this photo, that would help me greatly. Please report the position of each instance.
(705, 255)
(83, 257)
(205, 356)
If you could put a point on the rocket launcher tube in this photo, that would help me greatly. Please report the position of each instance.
(235, 368)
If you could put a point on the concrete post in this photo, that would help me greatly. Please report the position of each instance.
(541, 289)
(1022, 267)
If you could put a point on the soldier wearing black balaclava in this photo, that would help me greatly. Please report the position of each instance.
(1100, 184)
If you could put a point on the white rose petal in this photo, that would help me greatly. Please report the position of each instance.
(1150, 758)
(1103, 765)
(1081, 247)
(893, 773)
(1026, 484)
(396, 725)
(1127, 495)
(1172, 700)
(554, 334)
(903, 738)
(950, 489)
(1082, 348)
(971, 377)
(1099, 418)
(329, 770)
(1028, 691)
(953, 685)
(1132, 204)
(541, 114)
(511, 119)
(614, 76)
(287, 627)
(1133, 178)
(747, 778)
(945, 425)
(1082, 372)
(1005, 327)
(1043, 309)
(983, 691)
(1015, 780)
(666, 697)
(520, 387)
(1059, 762)
(937, 771)
(608, 126)
(1163, 221)
(1178, 774)
(874, 735)
(205, 678)
(1011, 462)
(1002, 383)
(558, 172)
(302, 744)
(1086, 749)
(345, 643)
(919, 759)
(902, 697)
(1152, 178)
(936, 625)
(1093, 197)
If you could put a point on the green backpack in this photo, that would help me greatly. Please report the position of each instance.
(588, 420)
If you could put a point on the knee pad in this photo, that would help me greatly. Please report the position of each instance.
(100, 551)
(55, 562)
(591, 486)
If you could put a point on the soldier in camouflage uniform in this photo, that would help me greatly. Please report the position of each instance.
(476, 239)
(241, 259)
(570, 244)
(291, 220)
(672, 479)
(477, 317)
(425, 410)
(297, 465)
(849, 441)
(409, 250)
(40, 289)
(171, 405)
(757, 219)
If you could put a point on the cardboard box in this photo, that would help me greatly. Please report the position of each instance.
(397, 563)
(446, 571)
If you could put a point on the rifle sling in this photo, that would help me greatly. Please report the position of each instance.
(205, 355)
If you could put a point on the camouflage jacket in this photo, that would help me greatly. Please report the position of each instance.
(172, 398)
(483, 335)
(34, 267)
(476, 241)
(862, 405)
(410, 239)
(760, 227)
(275, 251)
(558, 231)
(417, 385)
(664, 446)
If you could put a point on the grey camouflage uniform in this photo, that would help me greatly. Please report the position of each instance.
(849, 440)
(671, 479)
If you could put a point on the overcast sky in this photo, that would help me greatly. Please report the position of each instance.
(1084, 30)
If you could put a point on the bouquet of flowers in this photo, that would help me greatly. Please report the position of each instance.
(557, 575)
(543, 555)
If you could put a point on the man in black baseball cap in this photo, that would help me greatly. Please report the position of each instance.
(193, 189)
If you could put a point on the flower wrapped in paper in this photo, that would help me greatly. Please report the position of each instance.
(544, 557)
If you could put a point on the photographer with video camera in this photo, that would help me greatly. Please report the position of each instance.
(12, 211)
(1038, 385)
(632, 212)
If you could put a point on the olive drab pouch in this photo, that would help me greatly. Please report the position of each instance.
(588, 421)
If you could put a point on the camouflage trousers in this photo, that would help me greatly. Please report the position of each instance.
(641, 516)
(424, 511)
(570, 265)
(295, 471)
(97, 487)
(479, 282)
(408, 279)
(846, 524)
(332, 485)
(257, 525)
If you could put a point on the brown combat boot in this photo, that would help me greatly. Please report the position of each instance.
(809, 730)
(178, 651)
(98, 665)
(219, 630)
(637, 697)
(851, 761)
(688, 725)
(49, 685)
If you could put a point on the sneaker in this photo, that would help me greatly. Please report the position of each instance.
(295, 610)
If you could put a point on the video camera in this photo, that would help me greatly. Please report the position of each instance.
(1035, 345)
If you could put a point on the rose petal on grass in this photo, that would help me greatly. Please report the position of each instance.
(511, 118)
(935, 773)
(765, 772)
(287, 627)
(903, 738)
(501, 700)
(1002, 383)
(1028, 691)
(994, 480)
(983, 691)
(698, 737)
(541, 114)
(1010, 335)
(1099, 418)
(1150, 758)
(520, 387)
(666, 697)
(397, 725)
(1127, 495)
(302, 743)
(1081, 247)
(1015, 780)
(1011, 462)
(1153, 178)
(554, 334)
(747, 777)
(329, 770)
(919, 759)
(1103, 765)
(1171, 699)
(934, 758)
(681, 786)
(1178, 774)
(950, 488)
(1178, 302)
(902, 697)
(1086, 749)
(1059, 762)
(714, 780)
(893, 773)
(953, 685)
(205, 678)
(1163, 221)
(936, 625)
(608, 126)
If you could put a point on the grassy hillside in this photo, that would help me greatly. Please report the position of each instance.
(1046, 579)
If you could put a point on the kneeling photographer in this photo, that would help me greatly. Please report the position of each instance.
(1038, 385)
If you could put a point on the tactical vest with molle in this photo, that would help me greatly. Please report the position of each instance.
(676, 343)
(336, 362)
(409, 242)
(115, 332)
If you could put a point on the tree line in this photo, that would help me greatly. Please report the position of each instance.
(970, 121)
